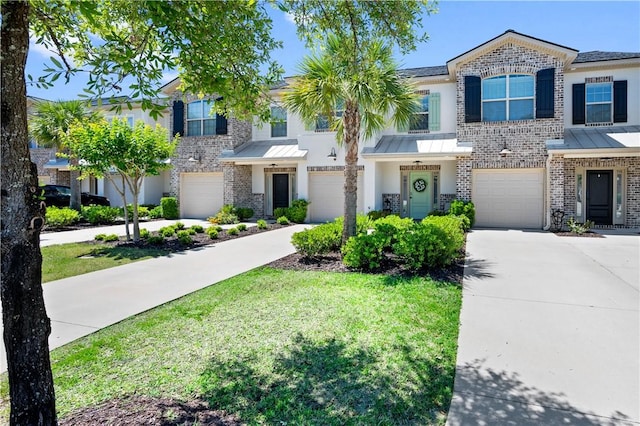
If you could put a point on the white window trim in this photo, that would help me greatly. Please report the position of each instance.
(587, 103)
(285, 122)
(425, 113)
(507, 99)
(205, 116)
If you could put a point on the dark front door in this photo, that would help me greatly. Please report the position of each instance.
(600, 196)
(280, 190)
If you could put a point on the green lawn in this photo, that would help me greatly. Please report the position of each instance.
(282, 347)
(68, 260)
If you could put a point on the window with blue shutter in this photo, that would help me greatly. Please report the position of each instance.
(178, 118)
(577, 97)
(620, 101)
(434, 112)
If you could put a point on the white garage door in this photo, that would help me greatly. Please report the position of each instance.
(510, 198)
(326, 194)
(201, 194)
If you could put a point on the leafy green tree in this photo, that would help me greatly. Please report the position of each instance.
(49, 125)
(218, 48)
(133, 153)
(368, 95)
(354, 40)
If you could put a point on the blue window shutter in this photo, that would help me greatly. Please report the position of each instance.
(544, 93)
(578, 103)
(178, 118)
(434, 112)
(620, 101)
(472, 99)
(221, 122)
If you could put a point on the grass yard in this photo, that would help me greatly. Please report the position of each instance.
(68, 260)
(282, 347)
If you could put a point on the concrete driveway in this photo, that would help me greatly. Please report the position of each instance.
(549, 330)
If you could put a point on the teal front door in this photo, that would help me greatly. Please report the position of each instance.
(420, 190)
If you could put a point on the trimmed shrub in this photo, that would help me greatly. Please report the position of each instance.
(466, 208)
(282, 220)
(167, 231)
(431, 243)
(142, 211)
(155, 213)
(453, 228)
(156, 240)
(579, 228)
(297, 213)
(241, 227)
(392, 226)
(319, 240)
(363, 224)
(110, 237)
(190, 231)
(262, 224)
(179, 226)
(212, 232)
(144, 233)
(280, 211)
(169, 206)
(437, 213)
(244, 213)
(184, 237)
(232, 231)
(100, 237)
(64, 216)
(198, 228)
(378, 214)
(225, 216)
(100, 215)
(365, 251)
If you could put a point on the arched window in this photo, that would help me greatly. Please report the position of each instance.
(508, 97)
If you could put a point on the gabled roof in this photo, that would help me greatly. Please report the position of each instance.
(425, 71)
(625, 139)
(265, 151)
(566, 53)
(417, 146)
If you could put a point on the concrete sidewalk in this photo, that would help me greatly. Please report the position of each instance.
(86, 303)
(549, 330)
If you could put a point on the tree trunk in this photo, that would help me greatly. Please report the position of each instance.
(125, 209)
(75, 201)
(26, 325)
(351, 119)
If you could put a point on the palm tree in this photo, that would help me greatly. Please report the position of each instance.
(50, 123)
(369, 88)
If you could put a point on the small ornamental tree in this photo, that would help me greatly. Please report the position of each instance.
(132, 153)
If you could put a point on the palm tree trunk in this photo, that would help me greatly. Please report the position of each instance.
(351, 119)
(26, 325)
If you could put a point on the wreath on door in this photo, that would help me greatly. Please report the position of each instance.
(419, 185)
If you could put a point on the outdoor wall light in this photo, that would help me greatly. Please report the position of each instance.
(505, 151)
(333, 154)
(195, 159)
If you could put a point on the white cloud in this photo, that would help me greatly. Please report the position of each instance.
(39, 48)
(290, 17)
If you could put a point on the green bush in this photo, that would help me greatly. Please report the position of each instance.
(318, 240)
(142, 211)
(100, 215)
(365, 251)
(280, 211)
(465, 223)
(232, 231)
(242, 227)
(64, 216)
(378, 214)
(466, 208)
(212, 232)
(169, 206)
(156, 240)
(179, 226)
(155, 212)
(198, 228)
(244, 213)
(262, 224)
(363, 223)
(190, 231)
(144, 233)
(184, 237)
(437, 213)
(225, 216)
(297, 213)
(579, 228)
(282, 220)
(110, 237)
(430, 244)
(392, 226)
(100, 237)
(167, 231)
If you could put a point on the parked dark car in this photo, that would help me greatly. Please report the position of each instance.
(59, 196)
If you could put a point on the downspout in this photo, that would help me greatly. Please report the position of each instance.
(547, 216)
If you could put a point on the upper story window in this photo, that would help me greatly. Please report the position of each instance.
(420, 121)
(199, 122)
(599, 99)
(508, 97)
(129, 119)
(278, 122)
(322, 122)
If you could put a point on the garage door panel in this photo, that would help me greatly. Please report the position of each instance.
(508, 198)
(326, 194)
(201, 194)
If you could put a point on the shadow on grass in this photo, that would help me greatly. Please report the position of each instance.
(487, 396)
(330, 383)
(131, 253)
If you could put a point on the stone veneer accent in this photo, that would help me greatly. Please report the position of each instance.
(463, 178)
(425, 167)
(237, 185)
(445, 201)
(630, 164)
(525, 138)
(392, 200)
(257, 204)
(330, 168)
(41, 156)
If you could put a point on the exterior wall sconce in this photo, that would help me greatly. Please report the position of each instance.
(505, 151)
(333, 154)
(417, 162)
(195, 159)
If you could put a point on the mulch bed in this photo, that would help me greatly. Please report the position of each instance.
(588, 234)
(142, 410)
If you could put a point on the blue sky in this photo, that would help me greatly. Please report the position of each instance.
(456, 28)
